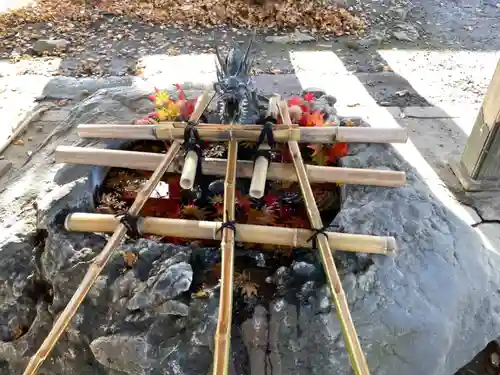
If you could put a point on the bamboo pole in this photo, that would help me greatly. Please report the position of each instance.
(217, 167)
(259, 175)
(249, 233)
(357, 357)
(102, 259)
(215, 132)
(189, 170)
(223, 331)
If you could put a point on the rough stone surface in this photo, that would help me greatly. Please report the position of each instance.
(441, 284)
(443, 276)
(47, 45)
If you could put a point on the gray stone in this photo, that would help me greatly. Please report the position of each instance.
(173, 308)
(49, 45)
(61, 87)
(295, 37)
(123, 353)
(441, 280)
(167, 284)
(303, 269)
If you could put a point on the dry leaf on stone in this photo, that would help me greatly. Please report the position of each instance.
(130, 258)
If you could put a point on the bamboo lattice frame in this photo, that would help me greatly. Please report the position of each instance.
(284, 236)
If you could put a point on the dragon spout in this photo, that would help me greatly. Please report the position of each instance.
(237, 100)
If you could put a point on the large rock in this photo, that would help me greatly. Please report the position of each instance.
(427, 310)
(434, 305)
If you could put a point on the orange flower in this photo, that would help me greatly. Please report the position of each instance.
(312, 119)
(337, 151)
(325, 156)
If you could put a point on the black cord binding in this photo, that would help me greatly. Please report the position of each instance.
(231, 224)
(314, 237)
(131, 223)
(192, 142)
(266, 132)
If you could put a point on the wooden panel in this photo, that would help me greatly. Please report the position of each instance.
(489, 167)
(481, 154)
(474, 149)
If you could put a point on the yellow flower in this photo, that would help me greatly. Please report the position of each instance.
(161, 99)
(201, 294)
(169, 113)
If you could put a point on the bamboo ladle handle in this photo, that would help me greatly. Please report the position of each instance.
(259, 176)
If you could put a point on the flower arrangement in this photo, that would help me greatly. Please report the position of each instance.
(302, 112)
(168, 109)
(281, 206)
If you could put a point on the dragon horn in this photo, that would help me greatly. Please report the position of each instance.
(250, 64)
(245, 57)
(219, 58)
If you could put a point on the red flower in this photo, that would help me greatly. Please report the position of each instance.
(187, 109)
(271, 199)
(219, 211)
(309, 97)
(295, 100)
(286, 211)
(181, 92)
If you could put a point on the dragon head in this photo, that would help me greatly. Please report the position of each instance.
(234, 86)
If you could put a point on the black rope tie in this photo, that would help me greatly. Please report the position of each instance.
(231, 224)
(314, 236)
(192, 142)
(131, 223)
(266, 133)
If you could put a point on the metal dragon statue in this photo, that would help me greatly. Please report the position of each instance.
(237, 98)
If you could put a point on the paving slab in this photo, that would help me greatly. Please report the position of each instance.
(426, 112)
(486, 203)
(5, 167)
